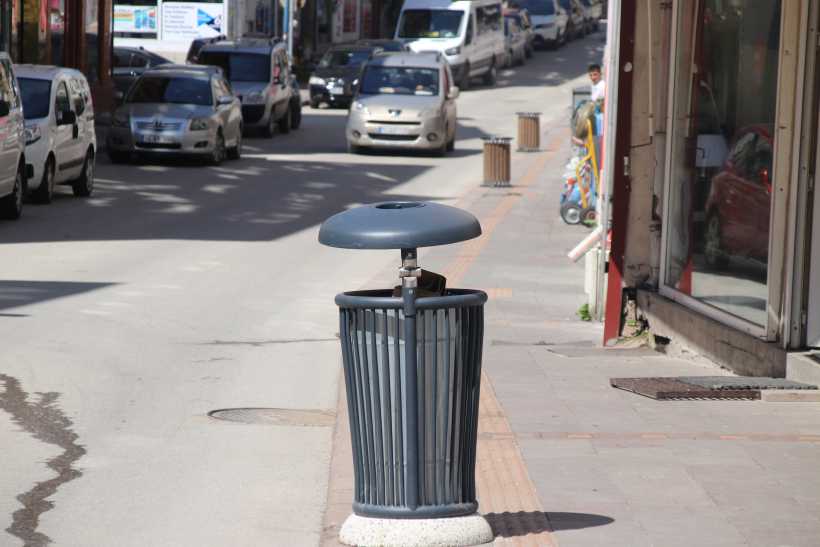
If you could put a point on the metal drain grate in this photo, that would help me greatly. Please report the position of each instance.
(276, 416)
(676, 389)
(743, 382)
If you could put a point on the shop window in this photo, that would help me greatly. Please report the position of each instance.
(719, 187)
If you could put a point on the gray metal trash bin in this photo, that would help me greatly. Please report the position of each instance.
(412, 369)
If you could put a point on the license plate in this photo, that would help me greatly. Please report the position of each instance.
(391, 130)
(337, 91)
(156, 139)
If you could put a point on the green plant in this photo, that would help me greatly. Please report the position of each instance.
(583, 313)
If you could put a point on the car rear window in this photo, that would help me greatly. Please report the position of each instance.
(239, 67)
(344, 57)
(538, 7)
(36, 97)
(171, 89)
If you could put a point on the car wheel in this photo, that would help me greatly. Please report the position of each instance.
(314, 103)
(464, 85)
(236, 152)
(84, 186)
(11, 206)
(285, 121)
(714, 254)
(491, 77)
(270, 129)
(118, 156)
(571, 213)
(589, 215)
(218, 154)
(296, 117)
(45, 191)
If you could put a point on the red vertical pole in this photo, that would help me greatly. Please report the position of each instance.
(620, 177)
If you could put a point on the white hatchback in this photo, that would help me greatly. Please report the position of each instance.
(61, 144)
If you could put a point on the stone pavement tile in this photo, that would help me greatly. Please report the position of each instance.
(660, 485)
(683, 526)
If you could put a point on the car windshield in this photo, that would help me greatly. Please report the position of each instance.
(36, 97)
(430, 23)
(399, 81)
(538, 7)
(344, 58)
(170, 89)
(239, 67)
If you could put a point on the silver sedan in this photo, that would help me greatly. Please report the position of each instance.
(179, 110)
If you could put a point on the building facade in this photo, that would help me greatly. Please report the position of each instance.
(715, 217)
(73, 33)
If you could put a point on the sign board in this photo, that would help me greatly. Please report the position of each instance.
(183, 21)
(135, 19)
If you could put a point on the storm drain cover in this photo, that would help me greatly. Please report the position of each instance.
(676, 389)
(276, 416)
(744, 382)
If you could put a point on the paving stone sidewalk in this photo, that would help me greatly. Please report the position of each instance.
(565, 459)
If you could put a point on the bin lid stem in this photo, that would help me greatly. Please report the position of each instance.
(409, 271)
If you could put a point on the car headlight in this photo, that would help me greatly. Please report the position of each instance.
(360, 107)
(315, 80)
(453, 50)
(255, 97)
(32, 134)
(120, 120)
(199, 124)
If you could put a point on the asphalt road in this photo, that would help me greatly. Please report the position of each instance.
(177, 290)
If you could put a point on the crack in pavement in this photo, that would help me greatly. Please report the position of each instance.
(47, 423)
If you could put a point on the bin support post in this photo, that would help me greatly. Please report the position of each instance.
(409, 273)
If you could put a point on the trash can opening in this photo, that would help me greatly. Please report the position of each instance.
(399, 205)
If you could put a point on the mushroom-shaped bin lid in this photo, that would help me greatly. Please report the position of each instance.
(398, 225)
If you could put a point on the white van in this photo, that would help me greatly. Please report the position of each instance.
(549, 21)
(61, 144)
(469, 34)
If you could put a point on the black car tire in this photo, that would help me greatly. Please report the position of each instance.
(314, 103)
(353, 148)
(491, 76)
(285, 121)
(528, 52)
(296, 116)
(464, 84)
(45, 192)
(270, 128)
(11, 206)
(83, 187)
(218, 154)
(571, 213)
(235, 152)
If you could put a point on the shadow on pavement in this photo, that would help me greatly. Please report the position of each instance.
(523, 523)
(15, 293)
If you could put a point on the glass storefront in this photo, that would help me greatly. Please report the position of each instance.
(722, 148)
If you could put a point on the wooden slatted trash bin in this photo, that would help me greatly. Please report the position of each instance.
(529, 131)
(497, 161)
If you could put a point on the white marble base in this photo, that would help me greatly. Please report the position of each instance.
(446, 532)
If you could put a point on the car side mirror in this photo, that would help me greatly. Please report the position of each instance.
(5, 108)
(454, 92)
(224, 100)
(66, 117)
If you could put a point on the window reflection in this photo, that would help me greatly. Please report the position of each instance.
(722, 154)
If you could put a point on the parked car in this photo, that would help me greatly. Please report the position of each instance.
(130, 62)
(549, 21)
(469, 33)
(576, 23)
(179, 110)
(404, 100)
(739, 202)
(384, 44)
(13, 171)
(332, 81)
(61, 144)
(522, 17)
(192, 57)
(259, 73)
(515, 40)
(593, 12)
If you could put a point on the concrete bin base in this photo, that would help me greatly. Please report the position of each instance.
(443, 532)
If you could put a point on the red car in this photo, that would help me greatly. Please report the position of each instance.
(737, 209)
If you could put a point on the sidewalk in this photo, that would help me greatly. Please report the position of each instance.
(564, 459)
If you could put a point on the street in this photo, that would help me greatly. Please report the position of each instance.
(177, 290)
